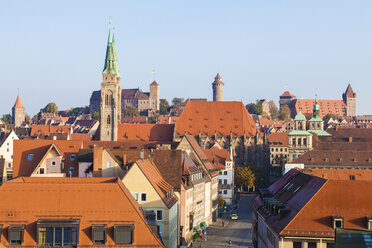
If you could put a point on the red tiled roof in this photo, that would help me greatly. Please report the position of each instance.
(145, 132)
(267, 122)
(167, 119)
(278, 139)
(221, 117)
(340, 174)
(157, 181)
(45, 130)
(350, 199)
(217, 157)
(88, 199)
(80, 136)
(134, 119)
(287, 93)
(306, 106)
(18, 103)
(154, 83)
(23, 167)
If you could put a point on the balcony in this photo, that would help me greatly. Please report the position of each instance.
(225, 186)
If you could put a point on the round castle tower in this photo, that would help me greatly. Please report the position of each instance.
(217, 86)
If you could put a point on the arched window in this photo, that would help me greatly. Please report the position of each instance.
(108, 119)
(106, 99)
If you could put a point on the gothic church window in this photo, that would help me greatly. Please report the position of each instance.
(108, 119)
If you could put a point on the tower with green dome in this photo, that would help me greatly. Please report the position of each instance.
(110, 103)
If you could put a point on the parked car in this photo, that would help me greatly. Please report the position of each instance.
(234, 217)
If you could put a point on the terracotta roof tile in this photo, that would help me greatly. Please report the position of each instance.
(157, 181)
(350, 199)
(340, 174)
(221, 117)
(306, 106)
(217, 157)
(45, 130)
(18, 103)
(287, 93)
(22, 148)
(91, 199)
(278, 139)
(145, 132)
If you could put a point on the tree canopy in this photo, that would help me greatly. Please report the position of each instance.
(284, 113)
(274, 112)
(255, 108)
(74, 112)
(131, 111)
(327, 117)
(50, 108)
(244, 176)
(95, 116)
(177, 101)
(6, 118)
(164, 107)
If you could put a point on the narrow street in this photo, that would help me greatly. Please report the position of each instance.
(238, 231)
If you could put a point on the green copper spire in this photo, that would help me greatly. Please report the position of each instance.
(111, 61)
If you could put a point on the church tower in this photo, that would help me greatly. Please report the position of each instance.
(110, 104)
(217, 86)
(349, 98)
(18, 112)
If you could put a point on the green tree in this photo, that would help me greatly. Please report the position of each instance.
(7, 118)
(221, 201)
(274, 112)
(244, 176)
(95, 116)
(329, 116)
(284, 113)
(35, 118)
(131, 111)
(255, 108)
(164, 107)
(153, 119)
(177, 101)
(74, 112)
(50, 108)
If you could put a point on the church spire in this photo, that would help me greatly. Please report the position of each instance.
(18, 103)
(111, 61)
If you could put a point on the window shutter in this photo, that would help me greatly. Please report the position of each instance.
(15, 235)
(124, 234)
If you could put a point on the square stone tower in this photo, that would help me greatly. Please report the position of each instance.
(349, 98)
(18, 113)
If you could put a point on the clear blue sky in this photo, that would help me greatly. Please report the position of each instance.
(54, 50)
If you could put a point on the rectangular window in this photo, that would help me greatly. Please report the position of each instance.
(58, 233)
(15, 234)
(72, 157)
(99, 234)
(330, 245)
(219, 181)
(53, 163)
(108, 164)
(296, 244)
(123, 234)
(299, 141)
(225, 192)
(30, 157)
(41, 171)
(225, 181)
(159, 215)
(220, 173)
(225, 172)
(135, 195)
(311, 244)
(294, 141)
(143, 197)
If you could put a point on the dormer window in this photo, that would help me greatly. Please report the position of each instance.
(338, 221)
(369, 222)
(30, 157)
(72, 157)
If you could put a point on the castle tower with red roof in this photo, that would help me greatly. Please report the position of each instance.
(217, 86)
(18, 111)
(349, 98)
(110, 103)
